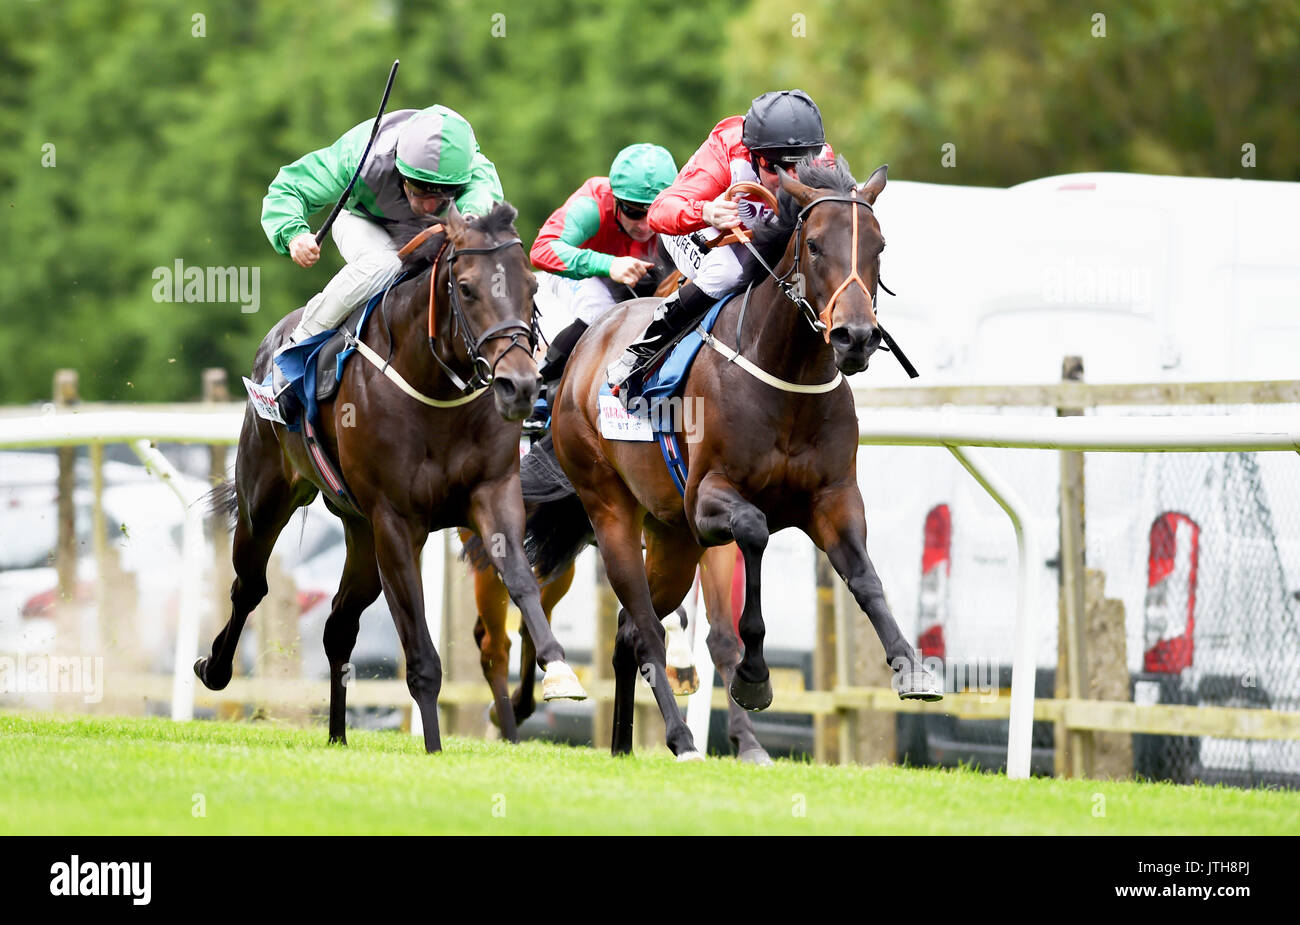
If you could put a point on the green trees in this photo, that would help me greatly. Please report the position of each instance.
(1038, 87)
(136, 134)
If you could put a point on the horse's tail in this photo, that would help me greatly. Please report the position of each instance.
(473, 551)
(557, 528)
(223, 501)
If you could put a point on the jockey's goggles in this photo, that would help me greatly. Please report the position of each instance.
(633, 210)
(424, 190)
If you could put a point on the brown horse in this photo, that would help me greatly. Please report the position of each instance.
(777, 445)
(510, 710)
(444, 454)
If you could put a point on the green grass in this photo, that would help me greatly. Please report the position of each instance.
(97, 775)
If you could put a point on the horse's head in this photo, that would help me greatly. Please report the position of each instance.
(836, 254)
(492, 288)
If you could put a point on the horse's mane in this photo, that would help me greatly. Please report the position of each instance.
(835, 178)
(500, 220)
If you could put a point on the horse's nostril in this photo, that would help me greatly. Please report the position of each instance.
(505, 387)
(841, 339)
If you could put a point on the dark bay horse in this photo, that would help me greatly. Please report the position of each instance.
(447, 458)
(776, 448)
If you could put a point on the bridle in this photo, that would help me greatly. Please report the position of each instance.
(513, 328)
(821, 323)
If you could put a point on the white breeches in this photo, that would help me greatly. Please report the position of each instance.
(372, 263)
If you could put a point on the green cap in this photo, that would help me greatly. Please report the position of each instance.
(436, 145)
(640, 172)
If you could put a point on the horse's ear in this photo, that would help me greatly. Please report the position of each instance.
(456, 226)
(802, 194)
(875, 183)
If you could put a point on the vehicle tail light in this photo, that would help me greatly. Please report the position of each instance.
(936, 564)
(1171, 593)
(309, 599)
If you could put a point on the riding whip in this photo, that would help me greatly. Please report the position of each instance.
(338, 206)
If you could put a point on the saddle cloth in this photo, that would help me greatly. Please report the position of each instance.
(314, 366)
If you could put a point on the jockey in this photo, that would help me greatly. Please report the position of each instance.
(601, 240)
(781, 128)
(421, 161)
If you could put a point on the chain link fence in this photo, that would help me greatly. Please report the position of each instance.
(1201, 550)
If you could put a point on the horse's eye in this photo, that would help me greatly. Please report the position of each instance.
(814, 249)
(465, 291)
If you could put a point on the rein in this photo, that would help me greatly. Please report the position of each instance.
(512, 328)
(821, 323)
(483, 374)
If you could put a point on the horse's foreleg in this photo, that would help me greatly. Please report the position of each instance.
(397, 551)
(721, 514)
(357, 590)
(838, 526)
(497, 513)
(716, 578)
(523, 698)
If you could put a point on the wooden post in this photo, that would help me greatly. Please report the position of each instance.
(65, 552)
(602, 656)
(459, 653)
(1072, 746)
(871, 736)
(1111, 754)
(826, 729)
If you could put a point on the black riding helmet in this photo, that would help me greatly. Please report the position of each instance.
(784, 125)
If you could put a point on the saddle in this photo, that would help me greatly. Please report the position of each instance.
(314, 367)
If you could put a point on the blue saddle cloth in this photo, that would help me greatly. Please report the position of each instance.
(669, 378)
(299, 362)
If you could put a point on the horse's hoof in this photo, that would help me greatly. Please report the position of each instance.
(751, 695)
(692, 755)
(683, 681)
(917, 683)
(757, 757)
(561, 683)
(213, 682)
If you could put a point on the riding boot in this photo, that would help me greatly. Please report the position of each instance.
(677, 313)
(558, 354)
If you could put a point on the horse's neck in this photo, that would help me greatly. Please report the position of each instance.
(777, 338)
(409, 330)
